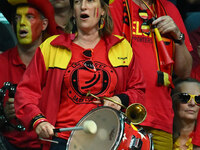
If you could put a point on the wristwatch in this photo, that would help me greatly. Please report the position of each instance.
(180, 40)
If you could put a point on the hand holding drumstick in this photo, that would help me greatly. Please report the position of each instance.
(113, 102)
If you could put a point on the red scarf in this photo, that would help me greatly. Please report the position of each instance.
(164, 70)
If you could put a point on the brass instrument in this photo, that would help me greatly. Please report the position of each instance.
(136, 112)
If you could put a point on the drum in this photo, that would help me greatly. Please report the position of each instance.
(114, 132)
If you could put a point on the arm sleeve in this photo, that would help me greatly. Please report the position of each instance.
(135, 83)
(131, 85)
(29, 90)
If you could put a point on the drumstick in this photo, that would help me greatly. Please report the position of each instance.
(107, 98)
(48, 140)
(67, 129)
(89, 126)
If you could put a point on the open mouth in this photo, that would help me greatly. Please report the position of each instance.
(23, 33)
(84, 16)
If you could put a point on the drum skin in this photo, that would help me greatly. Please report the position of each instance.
(114, 132)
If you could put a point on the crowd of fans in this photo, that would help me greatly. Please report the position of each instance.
(130, 51)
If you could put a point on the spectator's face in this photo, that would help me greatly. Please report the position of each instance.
(59, 4)
(87, 14)
(189, 110)
(29, 24)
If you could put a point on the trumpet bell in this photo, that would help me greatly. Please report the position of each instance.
(136, 113)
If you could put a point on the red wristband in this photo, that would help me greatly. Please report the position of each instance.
(37, 122)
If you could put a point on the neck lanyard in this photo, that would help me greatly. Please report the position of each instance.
(152, 11)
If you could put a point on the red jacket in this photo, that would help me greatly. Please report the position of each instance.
(12, 69)
(40, 89)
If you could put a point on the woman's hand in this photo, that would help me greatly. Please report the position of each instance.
(107, 102)
(45, 130)
(166, 25)
(112, 104)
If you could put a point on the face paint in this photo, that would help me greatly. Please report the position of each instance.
(97, 12)
(29, 24)
(87, 14)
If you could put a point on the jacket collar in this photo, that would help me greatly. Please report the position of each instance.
(65, 40)
(111, 41)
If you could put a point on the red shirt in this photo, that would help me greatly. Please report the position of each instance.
(196, 75)
(195, 41)
(47, 69)
(12, 70)
(11, 67)
(78, 80)
(157, 98)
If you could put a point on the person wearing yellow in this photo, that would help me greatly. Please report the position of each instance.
(66, 67)
(186, 102)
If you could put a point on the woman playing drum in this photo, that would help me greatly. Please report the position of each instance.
(53, 91)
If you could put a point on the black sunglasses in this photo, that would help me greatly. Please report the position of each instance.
(186, 98)
(89, 64)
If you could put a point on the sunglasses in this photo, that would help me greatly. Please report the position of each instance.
(145, 27)
(88, 53)
(186, 98)
(89, 64)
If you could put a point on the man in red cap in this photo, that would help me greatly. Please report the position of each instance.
(29, 24)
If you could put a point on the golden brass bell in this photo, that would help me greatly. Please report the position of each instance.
(136, 113)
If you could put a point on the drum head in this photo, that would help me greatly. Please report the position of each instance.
(108, 130)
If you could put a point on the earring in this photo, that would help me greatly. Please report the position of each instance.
(101, 22)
